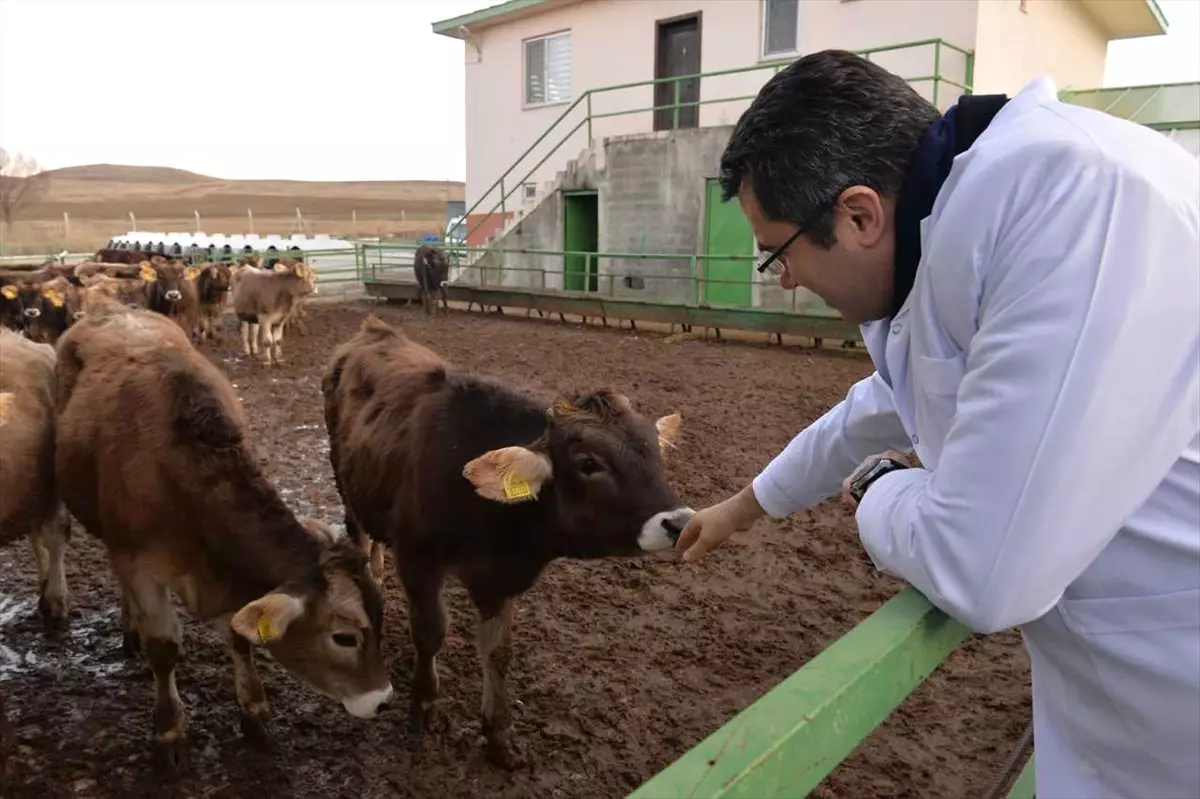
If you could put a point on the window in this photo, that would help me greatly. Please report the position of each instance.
(781, 27)
(548, 69)
(529, 191)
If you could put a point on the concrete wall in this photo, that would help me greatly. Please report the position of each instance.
(650, 191)
(1018, 41)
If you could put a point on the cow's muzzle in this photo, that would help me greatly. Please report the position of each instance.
(662, 530)
(32, 313)
(174, 295)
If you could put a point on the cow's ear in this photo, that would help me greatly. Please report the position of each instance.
(509, 475)
(668, 429)
(267, 618)
(319, 530)
(281, 269)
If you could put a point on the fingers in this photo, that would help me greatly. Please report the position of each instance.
(690, 533)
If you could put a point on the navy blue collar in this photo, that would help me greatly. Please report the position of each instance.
(946, 138)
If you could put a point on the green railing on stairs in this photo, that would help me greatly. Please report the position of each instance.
(507, 187)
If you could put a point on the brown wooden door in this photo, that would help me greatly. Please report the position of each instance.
(678, 53)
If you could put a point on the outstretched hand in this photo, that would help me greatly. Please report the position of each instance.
(713, 526)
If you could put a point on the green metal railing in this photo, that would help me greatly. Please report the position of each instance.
(793, 736)
(507, 187)
(1166, 106)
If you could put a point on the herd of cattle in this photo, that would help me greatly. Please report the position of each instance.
(111, 416)
(44, 300)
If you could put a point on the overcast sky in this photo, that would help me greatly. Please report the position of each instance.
(380, 96)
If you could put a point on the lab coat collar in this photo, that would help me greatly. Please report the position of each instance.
(1039, 91)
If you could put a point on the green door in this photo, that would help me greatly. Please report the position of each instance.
(581, 233)
(726, 232)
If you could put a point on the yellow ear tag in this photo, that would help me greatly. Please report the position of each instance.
(265, 632)
(55, 298)
(148, 274)
(299, 271)
(191, 273)
(515, 486)
(9, 292)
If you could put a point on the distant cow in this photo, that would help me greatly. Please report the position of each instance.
(466, 475)
(154, 461)
(115, 256)
(50, 307)
(212, 292)
(265, 299)
(29, 500)
(432, 270)
(171, 291)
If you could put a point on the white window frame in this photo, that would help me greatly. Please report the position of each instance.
(762, 34)
(525, 103)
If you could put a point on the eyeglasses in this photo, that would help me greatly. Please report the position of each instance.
(768, 262)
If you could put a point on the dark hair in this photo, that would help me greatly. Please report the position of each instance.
(829, 121)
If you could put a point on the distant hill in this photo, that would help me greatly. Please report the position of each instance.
(116, 173)
(112, 191)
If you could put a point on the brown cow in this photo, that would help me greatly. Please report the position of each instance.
(49, 308)
(432, 269)
(154, 461)
(29, 501)
(265, 299)
(468, 476)
(171, 291)
(127, 291)
(212, 291)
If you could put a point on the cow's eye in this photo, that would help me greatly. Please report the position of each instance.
(589, 465)
(349, 640)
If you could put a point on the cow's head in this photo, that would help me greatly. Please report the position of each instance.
(214, 281)
(600, 462)
(167, 281)
(49, 308)
(326, 626)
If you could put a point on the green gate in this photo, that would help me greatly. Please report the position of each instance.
(726, 232)
(581, 234)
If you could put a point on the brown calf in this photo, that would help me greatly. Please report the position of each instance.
(469, 476)
(171, 291)
(29, 501)
(49, 308)
(432, 270)
(266, 299)
(212, 293)
(153, 459)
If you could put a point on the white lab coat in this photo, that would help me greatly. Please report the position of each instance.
(1046, 369)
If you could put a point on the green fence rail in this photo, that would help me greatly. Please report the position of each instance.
(674, 299)
(793, 736)
(581, 113)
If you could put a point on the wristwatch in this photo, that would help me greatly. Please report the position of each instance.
(859, 483)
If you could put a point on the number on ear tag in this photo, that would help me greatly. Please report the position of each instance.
(516, 487)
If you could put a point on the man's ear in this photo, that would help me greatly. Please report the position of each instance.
(267, 618)
(668, 429)
(509, 475)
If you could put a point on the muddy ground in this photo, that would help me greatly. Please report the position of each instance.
(619, 667)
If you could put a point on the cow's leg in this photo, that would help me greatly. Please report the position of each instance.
(249, 339)
(445, 301)
(49, 547)
(427, 624)
(131, 644)
(161, 640)
(494, 641)
(251, 698)
(277, 343)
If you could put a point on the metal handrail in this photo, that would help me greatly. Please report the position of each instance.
(586, 100)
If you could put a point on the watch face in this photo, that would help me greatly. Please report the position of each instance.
(859, 485)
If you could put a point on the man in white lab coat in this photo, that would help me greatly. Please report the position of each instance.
(1027, 277)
